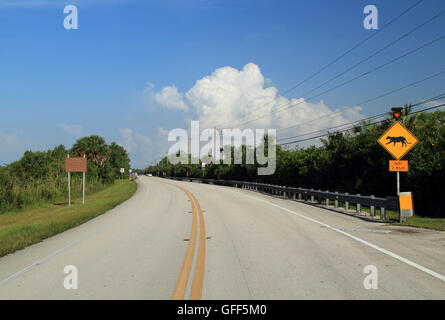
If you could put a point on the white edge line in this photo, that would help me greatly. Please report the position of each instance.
(72, 244)
(387, 252)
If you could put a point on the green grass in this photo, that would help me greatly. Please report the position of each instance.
(424, 222)
(19, 229)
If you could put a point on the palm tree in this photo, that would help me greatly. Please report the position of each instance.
(94, 148)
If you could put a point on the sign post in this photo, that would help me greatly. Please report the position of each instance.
(69, 188)
(83, 185)
(76, 165)
(398, 140)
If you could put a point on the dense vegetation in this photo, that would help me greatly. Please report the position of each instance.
(352, 162)
(40, 176)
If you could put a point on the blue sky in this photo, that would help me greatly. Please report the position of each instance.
(107, 77)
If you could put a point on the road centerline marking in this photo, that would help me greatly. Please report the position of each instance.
(184, 273)
(198, 279)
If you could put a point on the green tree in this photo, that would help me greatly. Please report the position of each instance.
(94, 148)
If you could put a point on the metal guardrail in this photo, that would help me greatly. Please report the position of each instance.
(388, 203)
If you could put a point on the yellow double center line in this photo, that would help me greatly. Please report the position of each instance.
(198, 279)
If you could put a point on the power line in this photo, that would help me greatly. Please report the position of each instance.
(339, 126)
(442, 95)
(351, 49)
(401, 88)
(354, 47)
(376, 53)
(289, 104)
(348, 129)
(366, 101)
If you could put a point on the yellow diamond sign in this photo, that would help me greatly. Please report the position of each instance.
(398, 140)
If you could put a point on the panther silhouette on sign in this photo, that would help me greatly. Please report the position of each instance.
(394, 140)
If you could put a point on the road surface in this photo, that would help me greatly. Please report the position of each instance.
(187, 240)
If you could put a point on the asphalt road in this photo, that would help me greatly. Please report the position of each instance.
(189, 240)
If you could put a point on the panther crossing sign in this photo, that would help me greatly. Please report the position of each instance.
(398, 140)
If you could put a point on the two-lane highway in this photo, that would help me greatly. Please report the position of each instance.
(189, 240)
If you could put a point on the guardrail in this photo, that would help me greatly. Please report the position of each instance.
(388, 203)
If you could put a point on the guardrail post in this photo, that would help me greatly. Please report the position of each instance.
(383, 213)
(346, 204)
(312, 197)
(358, 205)
(372, 209)
(336, 200)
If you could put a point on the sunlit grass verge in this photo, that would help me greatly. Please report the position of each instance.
(19, 229)
(424, 222)
(416, 221)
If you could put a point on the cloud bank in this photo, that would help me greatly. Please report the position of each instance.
(232, 98)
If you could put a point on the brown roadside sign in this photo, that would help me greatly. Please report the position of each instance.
(398, 165)
(398, 140)
(75, 164)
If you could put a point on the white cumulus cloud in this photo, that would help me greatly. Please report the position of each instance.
(232, 98)
(244, 98)
(169, 97)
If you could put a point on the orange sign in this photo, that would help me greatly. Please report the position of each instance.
(75, 164)
(406, 201)
(398, 165)
(398, 140)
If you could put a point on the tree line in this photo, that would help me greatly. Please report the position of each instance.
(40, 176)
(350, 161)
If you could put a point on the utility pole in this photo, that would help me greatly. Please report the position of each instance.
(214, 145)
(83, 186)
(69, 188)
(397, 113)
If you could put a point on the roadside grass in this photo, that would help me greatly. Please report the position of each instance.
(392, 217)
(19, 229)
(424, 222)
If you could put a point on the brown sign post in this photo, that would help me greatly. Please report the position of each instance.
(76, 165)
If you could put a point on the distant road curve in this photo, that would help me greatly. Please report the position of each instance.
(185, 240)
